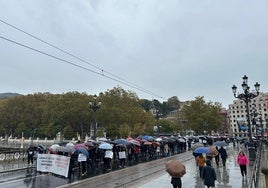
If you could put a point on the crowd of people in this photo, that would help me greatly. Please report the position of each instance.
(119, 156)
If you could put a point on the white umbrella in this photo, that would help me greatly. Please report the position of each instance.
(54, 147)
(105, 146)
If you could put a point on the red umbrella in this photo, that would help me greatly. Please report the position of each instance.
(89, 144)
(156, 143)
(76, 146)
(135, 142)
(175, 169)
(147, 143)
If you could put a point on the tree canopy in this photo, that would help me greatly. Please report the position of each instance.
(201, 116)
(120, 115)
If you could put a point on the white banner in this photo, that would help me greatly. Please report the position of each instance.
(108, 154)
(81, 157)
(122, 154)
(57, 164)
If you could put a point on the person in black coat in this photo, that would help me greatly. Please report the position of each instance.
(209, 174)
(217, 157)
(176, 182)
(223, 154)
(30, 156)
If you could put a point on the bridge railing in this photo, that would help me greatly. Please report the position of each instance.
(12, 155)
(255, 173)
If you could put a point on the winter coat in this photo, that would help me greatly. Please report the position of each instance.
(242, 160)
(223, 153)
(200, 160)
(209, 175)
(176, 181)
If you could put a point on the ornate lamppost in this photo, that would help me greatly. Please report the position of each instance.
(246, 97)
(95, 105)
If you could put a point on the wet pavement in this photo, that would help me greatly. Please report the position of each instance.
(153, 174)
(228, 176)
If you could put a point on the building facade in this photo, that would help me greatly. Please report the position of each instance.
(237, 116)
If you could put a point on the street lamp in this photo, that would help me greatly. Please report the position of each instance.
(246, 97)
(95, 105)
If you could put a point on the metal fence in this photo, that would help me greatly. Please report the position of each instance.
(255, 175)
(11, 155)
(14, 149)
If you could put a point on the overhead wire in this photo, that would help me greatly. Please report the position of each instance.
(71, 63)
(117, 78)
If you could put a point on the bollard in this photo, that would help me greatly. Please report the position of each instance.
(264, 170)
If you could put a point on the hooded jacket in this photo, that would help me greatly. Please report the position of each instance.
(242, 160)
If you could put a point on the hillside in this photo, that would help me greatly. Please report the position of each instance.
(8, 95)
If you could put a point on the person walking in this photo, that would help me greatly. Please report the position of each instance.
(200, 161)
(209, 175)
(243, 161)
(223, 154)
(176, 182)
(217, 157)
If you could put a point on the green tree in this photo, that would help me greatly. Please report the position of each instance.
(121, 110)
(202, 116)
(173, 103)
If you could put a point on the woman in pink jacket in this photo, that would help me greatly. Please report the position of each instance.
(242, 160)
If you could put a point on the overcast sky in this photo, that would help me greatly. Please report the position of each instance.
(166, 48)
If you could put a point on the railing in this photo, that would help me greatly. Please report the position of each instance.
(12, 155)
(254, 178)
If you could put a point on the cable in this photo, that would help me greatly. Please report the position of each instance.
(76, 57)
(79, 66)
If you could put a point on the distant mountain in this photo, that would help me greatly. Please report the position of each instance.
(8, 95)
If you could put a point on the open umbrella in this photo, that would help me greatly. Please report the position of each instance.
(202, 150)
(60, 149)
(63, 143)
(42, 147)
(69, 144)
(76, 146)
(181, 140)
(197, 145)
(147, 143)
(89, 144)
(220, 143)
(54, 147)
(175, 168)
(69, 149)
(147, 137)
(122, 141)
(135, 142)
(83, 151)
(105, 146)
(156, 143)
(213, 151)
